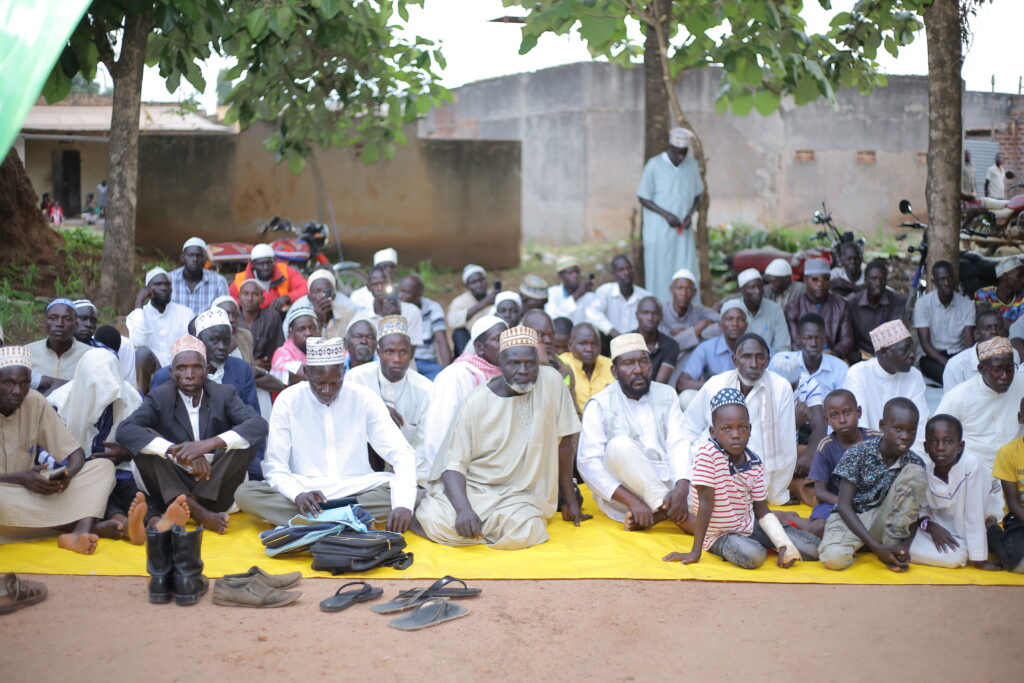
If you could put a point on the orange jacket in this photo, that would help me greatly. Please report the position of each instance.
(286, 282)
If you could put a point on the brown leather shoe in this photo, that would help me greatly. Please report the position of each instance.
(251, 593)
(273, 580)
(20, 593)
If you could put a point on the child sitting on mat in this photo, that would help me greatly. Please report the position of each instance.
(843, 416)
(728, 497)
(882, 485)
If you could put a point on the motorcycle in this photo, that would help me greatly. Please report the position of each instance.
(305, 251)
(976, 271)
(760, 258)
(994, 217)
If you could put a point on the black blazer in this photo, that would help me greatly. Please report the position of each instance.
(163, 413)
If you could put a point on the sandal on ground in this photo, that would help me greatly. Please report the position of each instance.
(20, 593)
(430, 613)
(340, 600)
(441, 589)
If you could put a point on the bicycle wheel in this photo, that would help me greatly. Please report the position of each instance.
(350, 277)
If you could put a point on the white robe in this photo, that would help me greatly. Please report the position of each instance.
(873, 387)
(410, 396)
(771, 407)
(149, 327)
(990, 422)
(451, 386)
(316, 447)
(958, 506)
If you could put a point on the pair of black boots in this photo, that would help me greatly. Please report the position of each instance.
(175, 565)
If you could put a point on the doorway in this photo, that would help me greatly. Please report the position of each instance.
(67, 181)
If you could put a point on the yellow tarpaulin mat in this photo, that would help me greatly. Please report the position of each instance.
(599, 549)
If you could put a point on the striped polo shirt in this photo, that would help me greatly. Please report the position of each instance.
(736, 487)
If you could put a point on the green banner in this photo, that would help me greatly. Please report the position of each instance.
(33, 34)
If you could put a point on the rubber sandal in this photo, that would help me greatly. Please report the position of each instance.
(430, 613)
(440, 589)
(20, 592)
(402, 601)
(340, 600)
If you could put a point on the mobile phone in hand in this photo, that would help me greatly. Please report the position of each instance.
(497, 285)
(55, 473)
(591, 276)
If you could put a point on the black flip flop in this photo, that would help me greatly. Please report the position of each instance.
(441, 589)
(430, 613)
(340, 601)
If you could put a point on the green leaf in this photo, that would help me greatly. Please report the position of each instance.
(806, 90)
(370, 152)
(256, 23)
(766, 102)
(57, 86)
(598, 30)
(284, 22)
(742, 102)
(891, 47)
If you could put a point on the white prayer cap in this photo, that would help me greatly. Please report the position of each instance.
(153, 272)
(889, 334)
(322, 351)
(732, 303)
(508, 295)
(15, 356)
(261, 251)
(392, 324)
(780, 267)
(748, 275)
(211, 318)
(322, 274)
(195, 242)
(816, 267)
(517, 336)
(471, 270)
(388, 255)
(223, 300)
(684, 274)
(482, 325)
(627, 343)
(85, 303)
(786, 365)
(534, 287)
(295, 312)
(1008, 264)
(679, 137)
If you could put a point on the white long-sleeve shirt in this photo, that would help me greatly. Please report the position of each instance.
(959, 504)
(451, 386)
(873, 387)
(149, 327)
(672, 447)
(562, 304)
(232, 439)
(609, 310)
(317, 447)
(964, 365)
(771, 408)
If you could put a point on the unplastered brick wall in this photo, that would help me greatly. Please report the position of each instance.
(1010, 136)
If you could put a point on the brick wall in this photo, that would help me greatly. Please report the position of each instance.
(1010, 136)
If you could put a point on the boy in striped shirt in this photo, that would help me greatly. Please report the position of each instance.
(732, 516)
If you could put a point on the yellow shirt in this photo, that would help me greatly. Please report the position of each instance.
(1009, 465)
(585, 388)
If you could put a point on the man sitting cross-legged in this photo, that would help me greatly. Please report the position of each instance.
(317, 448)
(33, 504)
(507, 457)
(882, 485)
(729, 492)
(404, 391)
(193, 437)
(633, 451)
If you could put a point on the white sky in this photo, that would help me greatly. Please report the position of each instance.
(476, 49)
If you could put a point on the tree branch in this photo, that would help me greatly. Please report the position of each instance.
(106, 51)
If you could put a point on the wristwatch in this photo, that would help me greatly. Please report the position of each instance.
(924, 523)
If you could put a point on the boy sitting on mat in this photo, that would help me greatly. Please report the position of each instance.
(882, 485)
(843, 416)
(732, 519)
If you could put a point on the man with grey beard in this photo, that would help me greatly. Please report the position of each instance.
(770, 403)
(506, 458)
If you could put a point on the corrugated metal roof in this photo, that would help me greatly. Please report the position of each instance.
(153, 118)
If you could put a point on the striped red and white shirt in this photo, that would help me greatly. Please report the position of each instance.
(736, 487)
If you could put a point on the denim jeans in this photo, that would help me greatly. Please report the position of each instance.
(750, 552)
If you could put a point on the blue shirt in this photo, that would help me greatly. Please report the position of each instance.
(201, 298)
(711, 357)
(830, 374)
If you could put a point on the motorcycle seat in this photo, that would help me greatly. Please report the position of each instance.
(1016, 204)
(290, 249)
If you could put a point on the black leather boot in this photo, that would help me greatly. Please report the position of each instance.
(158, 564)
(189, 582)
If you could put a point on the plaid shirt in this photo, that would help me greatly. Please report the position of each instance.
(863, 466)
(201, 298)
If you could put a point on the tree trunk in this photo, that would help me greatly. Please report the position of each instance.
(945, 127)
(118, 274)
(697, 149)
(22, 226)
(656, 113)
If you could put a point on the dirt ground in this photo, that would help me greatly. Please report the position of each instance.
(102, 628)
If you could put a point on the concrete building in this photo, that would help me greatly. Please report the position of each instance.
(581, 126)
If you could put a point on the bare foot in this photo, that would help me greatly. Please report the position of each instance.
(176, 513)
(898, 568)
(629, 525)
(78, 543)
(136, 519)
(112, 528)
(214, 521)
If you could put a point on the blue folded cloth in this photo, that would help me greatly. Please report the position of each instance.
(303, 531)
